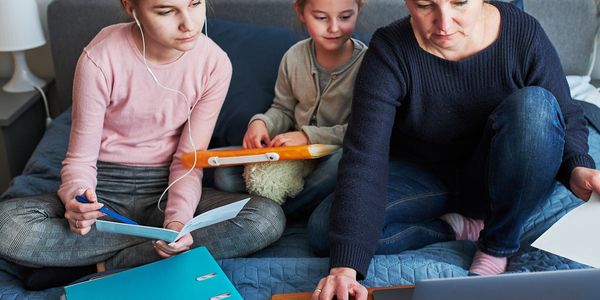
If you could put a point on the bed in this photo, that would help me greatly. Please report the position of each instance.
(289, 265)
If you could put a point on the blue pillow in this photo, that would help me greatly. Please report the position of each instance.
(255, 52)
(518, 3)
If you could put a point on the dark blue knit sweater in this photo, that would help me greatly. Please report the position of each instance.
(410, 102)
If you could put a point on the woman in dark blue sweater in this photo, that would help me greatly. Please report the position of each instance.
(461, 120)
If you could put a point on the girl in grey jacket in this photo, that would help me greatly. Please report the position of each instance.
(313, 95)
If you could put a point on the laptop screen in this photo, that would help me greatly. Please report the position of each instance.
(580, 284)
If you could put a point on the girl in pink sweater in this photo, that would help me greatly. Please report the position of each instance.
(144, 93)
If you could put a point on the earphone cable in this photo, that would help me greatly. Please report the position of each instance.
(46, 108)
(189, 120)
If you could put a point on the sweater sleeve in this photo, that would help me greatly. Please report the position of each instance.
(544, 70)
(333, 135)
(360, 197)
(90, 99)
(185, 193)
(279, 117)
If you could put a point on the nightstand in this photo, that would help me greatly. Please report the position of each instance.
(22, 125)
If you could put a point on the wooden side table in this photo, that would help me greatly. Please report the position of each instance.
(306, 296)
(22, 125)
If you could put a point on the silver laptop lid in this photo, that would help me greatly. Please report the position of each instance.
(581, 284)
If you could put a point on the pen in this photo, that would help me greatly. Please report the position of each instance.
(106, 210)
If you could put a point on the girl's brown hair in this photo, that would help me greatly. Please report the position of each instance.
(208, 7)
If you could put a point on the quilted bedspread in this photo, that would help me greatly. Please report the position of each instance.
(288, 265)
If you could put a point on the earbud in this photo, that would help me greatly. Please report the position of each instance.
(136, 19)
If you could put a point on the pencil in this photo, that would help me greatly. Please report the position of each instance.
(238, 156)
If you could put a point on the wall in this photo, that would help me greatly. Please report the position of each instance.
(596, 70)
(38, 59)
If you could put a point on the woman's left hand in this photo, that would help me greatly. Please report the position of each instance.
(292, 138)
(584, 181)
(183, 244)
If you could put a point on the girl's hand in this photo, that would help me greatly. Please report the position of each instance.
(256, 135)
(165, 250)
(292, 138)
(340, 283)
(584, 181)
(81, 216)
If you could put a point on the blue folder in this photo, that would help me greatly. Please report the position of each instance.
(191, 275)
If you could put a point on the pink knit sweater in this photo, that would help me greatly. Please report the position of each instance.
(120, 115)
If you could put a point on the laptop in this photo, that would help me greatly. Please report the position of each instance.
(581, 284)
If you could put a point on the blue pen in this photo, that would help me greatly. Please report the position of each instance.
(108, 211)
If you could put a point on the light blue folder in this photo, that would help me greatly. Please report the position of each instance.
(191, 275)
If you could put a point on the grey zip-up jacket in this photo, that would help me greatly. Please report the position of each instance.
(298, 99)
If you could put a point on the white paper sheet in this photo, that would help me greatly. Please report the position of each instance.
(210, 217)
(575, 235)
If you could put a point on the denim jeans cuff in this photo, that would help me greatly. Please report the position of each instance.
(495, 251)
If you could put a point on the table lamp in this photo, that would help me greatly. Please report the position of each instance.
(20, 29)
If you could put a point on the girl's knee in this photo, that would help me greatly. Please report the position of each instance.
(267, 217)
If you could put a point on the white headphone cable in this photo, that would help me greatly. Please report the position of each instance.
(48, 118)
(189, 121)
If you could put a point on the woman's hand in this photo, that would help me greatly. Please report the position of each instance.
(340, 283)
(81, 216)
(256, 135)
(584, 181)
(165, 250)
(292, 138)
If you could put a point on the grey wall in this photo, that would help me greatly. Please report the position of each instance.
(596, 70)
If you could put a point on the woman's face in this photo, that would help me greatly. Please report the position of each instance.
(170, 26)
(445, 24)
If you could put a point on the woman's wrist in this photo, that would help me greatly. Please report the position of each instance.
(343, 271)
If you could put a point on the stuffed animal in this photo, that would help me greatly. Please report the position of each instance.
(277, 180)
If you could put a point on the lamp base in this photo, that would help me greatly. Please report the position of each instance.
(22, 80)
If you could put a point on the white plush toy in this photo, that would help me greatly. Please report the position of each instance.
(277, 180)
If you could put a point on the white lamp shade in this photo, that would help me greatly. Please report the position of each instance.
(20, 26)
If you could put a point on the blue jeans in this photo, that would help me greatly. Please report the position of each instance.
(33, 231)
(511, 171)
(317, 185)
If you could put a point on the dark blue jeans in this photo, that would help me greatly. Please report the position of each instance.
(512, 170)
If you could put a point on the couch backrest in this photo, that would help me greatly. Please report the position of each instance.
(571, 25)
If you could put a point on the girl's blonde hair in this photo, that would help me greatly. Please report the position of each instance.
(301, 3)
